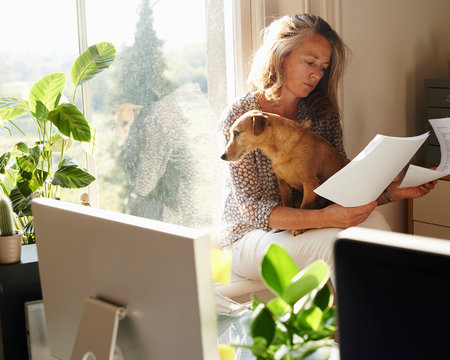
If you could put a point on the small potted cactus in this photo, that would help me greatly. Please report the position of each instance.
(10, 238)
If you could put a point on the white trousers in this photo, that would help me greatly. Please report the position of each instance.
(304, 249)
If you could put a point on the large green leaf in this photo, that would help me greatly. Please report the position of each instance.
(21, 204)
(70, 122)
(311, 278)
(11, 107)
(277, 269)
(9, 180)
(72, 177)
(47, 91)
(94, 60)
(28, 185)
(262, 323)
(4, 161)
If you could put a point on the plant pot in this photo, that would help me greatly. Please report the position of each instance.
(10, 248)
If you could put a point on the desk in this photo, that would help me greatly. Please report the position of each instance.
(19, 283)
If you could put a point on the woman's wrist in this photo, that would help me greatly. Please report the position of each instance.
(387, 196)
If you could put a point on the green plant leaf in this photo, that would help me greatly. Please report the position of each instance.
(12, 107)
(57, 142)
(277, 269)
(278, 307)
(262, 323)
(46, 90)
(41, 112)
(20, 149)
(4, 161)
(324, 298)
(94, 60)
(70, 122)
(310, 319)
(9, 180)
(312, 277)
(258, 347)
(21, 204)
(72, 177)
(68, 161)
(26, 166)
(28, 183)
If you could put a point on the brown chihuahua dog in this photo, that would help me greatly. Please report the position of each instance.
(300, 158)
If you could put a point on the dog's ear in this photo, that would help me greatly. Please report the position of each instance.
(259, 123)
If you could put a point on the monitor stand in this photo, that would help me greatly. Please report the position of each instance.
(97, 332)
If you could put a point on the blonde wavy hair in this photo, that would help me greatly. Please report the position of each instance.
(281, 37)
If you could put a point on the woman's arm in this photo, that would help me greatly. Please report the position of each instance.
(286, 218)
(394, 193)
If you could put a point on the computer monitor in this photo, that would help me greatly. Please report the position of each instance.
(160, 273)
(392, 295)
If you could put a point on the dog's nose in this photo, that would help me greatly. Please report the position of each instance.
(224, 156)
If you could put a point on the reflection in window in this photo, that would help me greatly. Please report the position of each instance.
(157, 155)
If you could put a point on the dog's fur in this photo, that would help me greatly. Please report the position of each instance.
(301, 159)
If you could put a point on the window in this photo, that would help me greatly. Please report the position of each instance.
(156, 152)
(40, 38)
(156, 109)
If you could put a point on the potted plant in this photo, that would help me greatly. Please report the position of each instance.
(10, 238)
(299, 322)
(39, 165)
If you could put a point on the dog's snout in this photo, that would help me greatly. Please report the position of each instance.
(224, 156)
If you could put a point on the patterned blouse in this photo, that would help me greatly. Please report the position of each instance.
(251, 185)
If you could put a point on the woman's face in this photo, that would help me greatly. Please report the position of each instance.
(305, 66)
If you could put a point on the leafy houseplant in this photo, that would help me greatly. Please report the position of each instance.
(10, 238)
(300, 322)
(41, 167)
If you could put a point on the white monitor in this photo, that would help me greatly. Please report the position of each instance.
(160, 273)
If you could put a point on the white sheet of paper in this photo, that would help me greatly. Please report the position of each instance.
(369, 173)
(441, 128)
(417, 175)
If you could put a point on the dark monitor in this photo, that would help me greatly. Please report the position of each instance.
(93, 263)
(392, 295)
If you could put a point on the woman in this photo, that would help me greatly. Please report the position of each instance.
(294, 74)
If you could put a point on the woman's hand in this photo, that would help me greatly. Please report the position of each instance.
(395, 193)
(344, 217)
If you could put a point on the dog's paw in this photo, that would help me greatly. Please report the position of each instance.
(297, 232)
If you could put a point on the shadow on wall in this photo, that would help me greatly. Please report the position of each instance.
(171, 162)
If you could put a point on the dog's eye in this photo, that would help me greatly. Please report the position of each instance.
(235, 133)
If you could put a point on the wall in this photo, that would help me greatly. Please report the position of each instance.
(396, 44)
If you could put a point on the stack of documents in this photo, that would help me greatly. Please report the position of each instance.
(369, 173)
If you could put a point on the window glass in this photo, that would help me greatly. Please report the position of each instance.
(38, 38)
(155, 109)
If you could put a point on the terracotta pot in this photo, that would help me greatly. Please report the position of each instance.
(10, 248)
